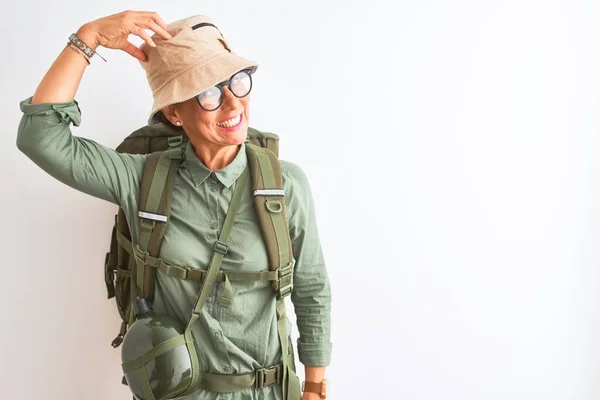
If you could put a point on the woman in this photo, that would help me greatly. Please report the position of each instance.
(242, 338)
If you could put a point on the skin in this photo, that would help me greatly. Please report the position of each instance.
(215, 147)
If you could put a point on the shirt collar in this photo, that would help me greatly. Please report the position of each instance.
(226, 175)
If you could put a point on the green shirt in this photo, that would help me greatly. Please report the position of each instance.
(238, 339)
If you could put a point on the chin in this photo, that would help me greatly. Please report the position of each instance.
(241, 135)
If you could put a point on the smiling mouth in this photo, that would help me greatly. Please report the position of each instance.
(232, 122)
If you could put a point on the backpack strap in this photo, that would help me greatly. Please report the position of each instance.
(220, 249)
(263, 139)
(158, 179)
(268, 193)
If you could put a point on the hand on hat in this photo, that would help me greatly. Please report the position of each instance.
(112, 31)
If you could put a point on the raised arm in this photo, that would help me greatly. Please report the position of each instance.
(44, 133)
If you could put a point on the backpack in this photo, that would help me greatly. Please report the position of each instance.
(165, 145)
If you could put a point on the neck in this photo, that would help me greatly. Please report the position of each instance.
(216, 157)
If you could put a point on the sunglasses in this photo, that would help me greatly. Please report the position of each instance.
(239, 84)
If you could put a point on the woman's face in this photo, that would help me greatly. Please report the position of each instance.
(226, 126)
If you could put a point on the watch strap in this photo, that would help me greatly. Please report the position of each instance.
(316, 387)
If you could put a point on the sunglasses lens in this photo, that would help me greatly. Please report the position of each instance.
(210, 99)
(240, 84)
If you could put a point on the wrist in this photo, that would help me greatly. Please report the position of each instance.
(311, 396)
(87, 35)
(314, 373)
(314, 390)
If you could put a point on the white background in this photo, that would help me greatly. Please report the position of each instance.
(452, 150)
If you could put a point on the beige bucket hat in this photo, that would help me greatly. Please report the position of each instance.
(196, 58)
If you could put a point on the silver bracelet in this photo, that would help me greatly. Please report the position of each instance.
(87, 50)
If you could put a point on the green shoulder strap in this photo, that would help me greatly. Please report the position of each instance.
(220, 249)
(263, 139)
(268, 194)
(158, 179)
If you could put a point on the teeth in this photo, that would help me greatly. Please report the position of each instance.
(231, 122)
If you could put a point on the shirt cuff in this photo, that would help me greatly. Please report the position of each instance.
(314, 354)
(68, 112)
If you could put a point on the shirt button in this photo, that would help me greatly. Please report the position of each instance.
(226, 368)
(213, 225)
(214, 188)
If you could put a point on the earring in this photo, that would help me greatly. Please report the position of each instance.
(178, 123)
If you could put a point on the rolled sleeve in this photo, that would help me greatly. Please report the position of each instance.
(311, 295)
(68, 112)
(44, 135)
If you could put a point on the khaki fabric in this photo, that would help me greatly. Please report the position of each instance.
(196, 58)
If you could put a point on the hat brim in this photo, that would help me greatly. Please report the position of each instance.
(194, 81)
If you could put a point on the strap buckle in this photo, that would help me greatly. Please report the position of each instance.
(139, 255)
(175, 141)
(221, 247)
(268, 376)
(285, 280)
(284, 291)
(286, 270)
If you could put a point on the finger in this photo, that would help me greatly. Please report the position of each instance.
(144, 35)
(159, 30)
(135, 51)
(152, 20)
(158, 19)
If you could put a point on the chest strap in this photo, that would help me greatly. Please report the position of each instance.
(193, 274)
(279, 275)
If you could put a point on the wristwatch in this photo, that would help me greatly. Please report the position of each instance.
(316, 387)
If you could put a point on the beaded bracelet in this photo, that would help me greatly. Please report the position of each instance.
(85, 49)
(77, 49)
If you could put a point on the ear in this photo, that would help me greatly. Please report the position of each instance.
(171, 114)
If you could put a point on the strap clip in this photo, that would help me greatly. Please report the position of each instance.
(285, 280)
(221, 247)
(175, 141)
(140, 256)
(286, 270)
(268, 376)
(284, 291)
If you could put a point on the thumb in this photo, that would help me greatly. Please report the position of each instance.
(135, 51)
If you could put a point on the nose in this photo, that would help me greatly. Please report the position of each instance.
(229, 99)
